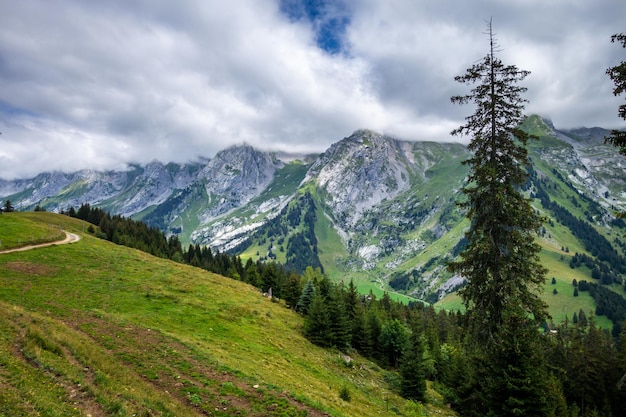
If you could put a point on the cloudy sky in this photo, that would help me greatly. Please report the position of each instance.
(97, 84)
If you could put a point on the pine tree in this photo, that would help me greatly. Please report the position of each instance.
(292, 290)
(317, 323)
(308, 293)
(339, 325)
(501, 260)
(412, 373)
(8, 207)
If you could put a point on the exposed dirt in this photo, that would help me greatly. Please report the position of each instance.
(29, 268)
(69, 238)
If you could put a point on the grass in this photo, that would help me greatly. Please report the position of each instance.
(330, 245)
(96, 328)
(19, 230)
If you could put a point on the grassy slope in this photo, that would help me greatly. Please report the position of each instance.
(18, 230)
(96, 328)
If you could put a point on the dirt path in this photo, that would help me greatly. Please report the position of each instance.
(69, 238)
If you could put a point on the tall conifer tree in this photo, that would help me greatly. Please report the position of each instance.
(317, 323)
(501, 262)
(412, 372)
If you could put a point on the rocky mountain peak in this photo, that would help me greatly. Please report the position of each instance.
(360, 171)
(237, 174)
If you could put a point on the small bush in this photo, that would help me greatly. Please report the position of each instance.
(413, 409)
(344, 394)
(195, 399)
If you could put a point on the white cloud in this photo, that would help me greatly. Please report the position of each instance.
(98, 84)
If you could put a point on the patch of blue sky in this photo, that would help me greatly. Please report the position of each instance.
(328, 18)
(12, 111)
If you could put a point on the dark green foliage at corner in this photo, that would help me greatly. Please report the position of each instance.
(618, 76)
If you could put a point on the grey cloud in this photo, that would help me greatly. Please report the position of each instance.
(99, 84)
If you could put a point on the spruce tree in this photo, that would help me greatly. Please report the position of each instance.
(340, 327)
(351, 300)
(360, 332)
(412, 372)
(308, 293)
(373, 327)
(501, 260)
(8, 207)
(292, 290)
(317, 323)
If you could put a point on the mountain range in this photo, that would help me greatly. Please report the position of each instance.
(372, 208)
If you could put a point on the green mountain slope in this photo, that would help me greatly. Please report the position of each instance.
(92, 328)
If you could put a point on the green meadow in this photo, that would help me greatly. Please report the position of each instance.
(93, 328)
